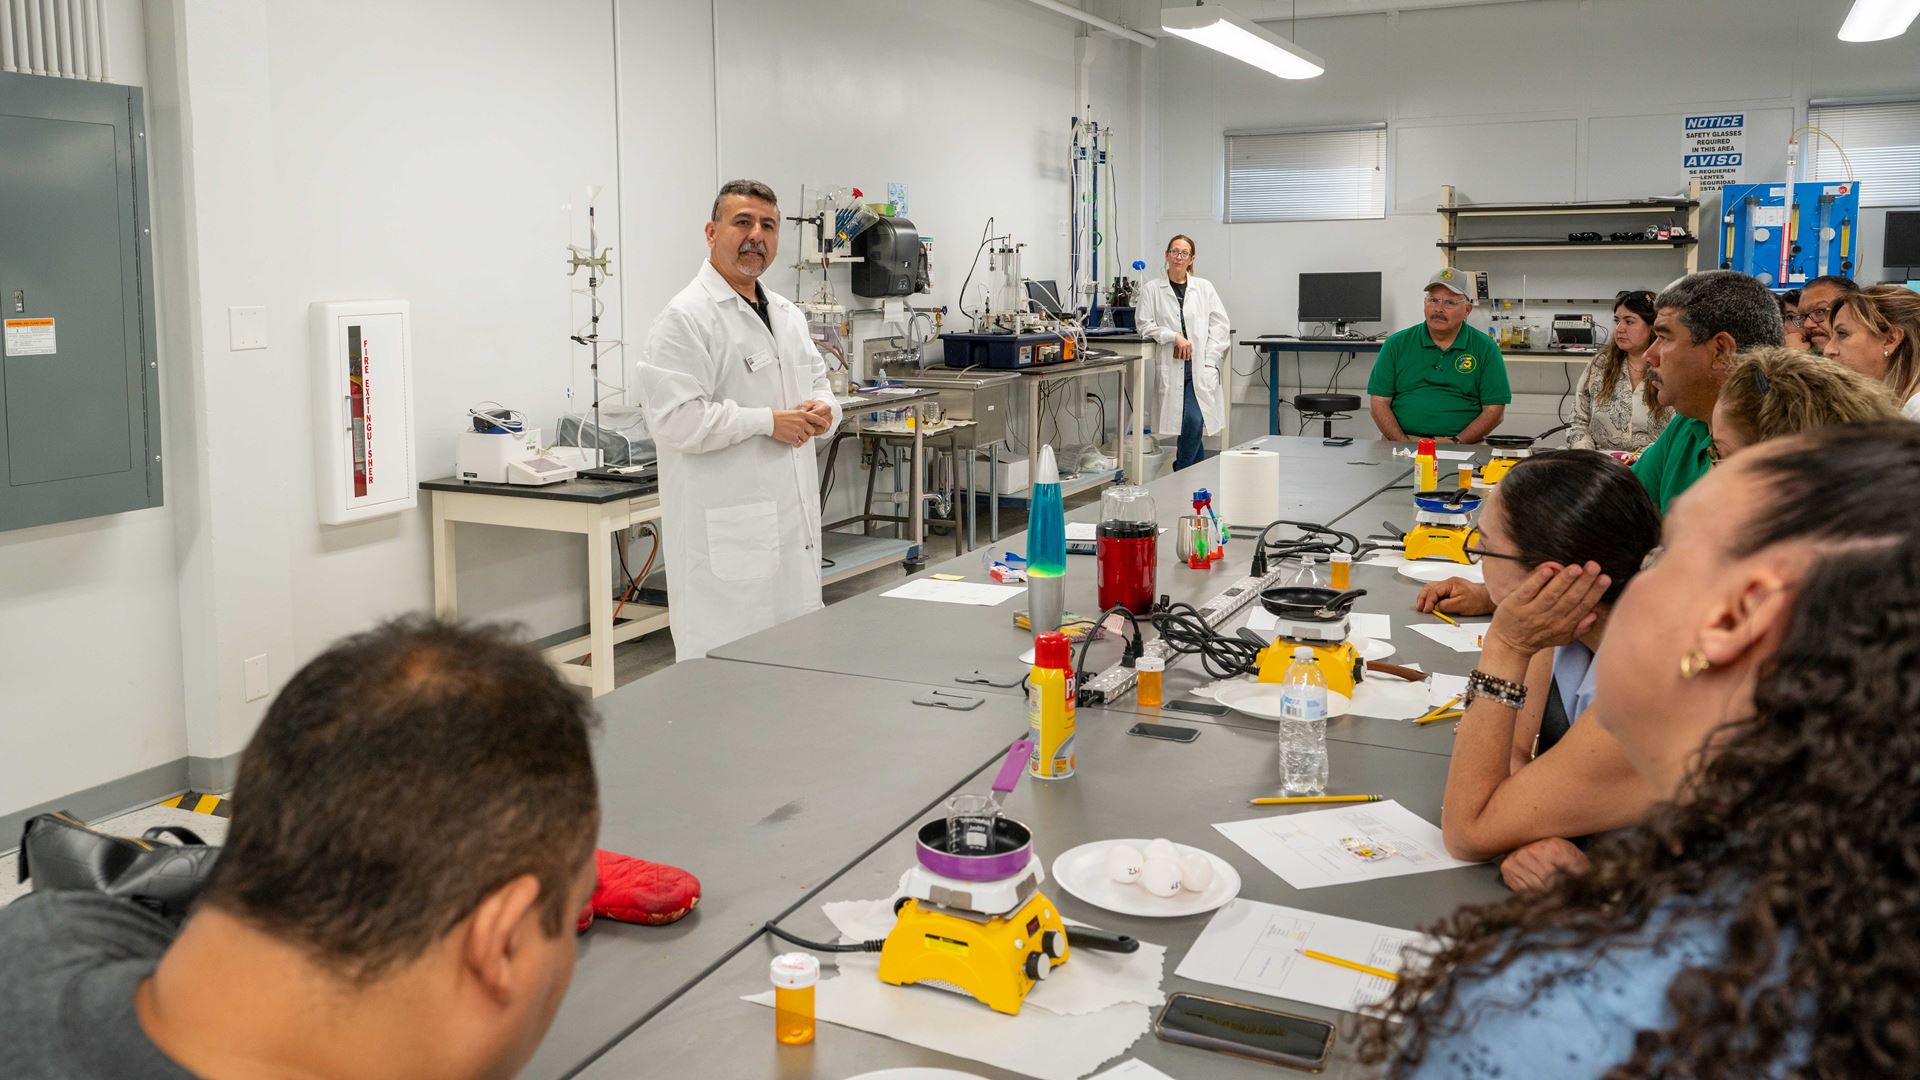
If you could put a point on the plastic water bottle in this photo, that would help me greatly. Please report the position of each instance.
(1308, 575)
(1303, 727)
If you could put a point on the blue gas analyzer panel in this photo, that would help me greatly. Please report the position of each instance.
(1786, 243)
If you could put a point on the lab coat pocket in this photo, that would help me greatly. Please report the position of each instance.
(1206, 376)
(743, 542)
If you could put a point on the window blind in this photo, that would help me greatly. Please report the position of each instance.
(1882, 141)
(1307, 175)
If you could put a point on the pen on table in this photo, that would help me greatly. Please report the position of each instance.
(1443, 617)
(1293, 800)
(1364, 969)
(1439, 713)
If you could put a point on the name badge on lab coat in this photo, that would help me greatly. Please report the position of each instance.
(759, 360)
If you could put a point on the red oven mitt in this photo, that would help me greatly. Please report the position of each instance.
(637, 891)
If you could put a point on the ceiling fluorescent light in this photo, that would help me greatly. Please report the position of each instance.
(1223, 31)
(1878, 20)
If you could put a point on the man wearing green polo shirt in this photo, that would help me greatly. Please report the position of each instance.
(1700, 322)
(1442, 378)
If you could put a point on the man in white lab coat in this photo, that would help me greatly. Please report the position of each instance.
(736, 395)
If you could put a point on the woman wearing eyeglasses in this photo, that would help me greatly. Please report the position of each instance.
(1183, 314)
(1560, 537)
(1761, 678)
(1773, 392)
(1790, 318)
(1617, 407)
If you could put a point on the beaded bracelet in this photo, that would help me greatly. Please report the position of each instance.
(1500, 691)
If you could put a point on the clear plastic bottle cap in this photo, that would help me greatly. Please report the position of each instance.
(1149, 663)
(795, 970)
(1301, 652)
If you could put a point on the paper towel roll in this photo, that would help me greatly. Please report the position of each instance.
(1249, 488)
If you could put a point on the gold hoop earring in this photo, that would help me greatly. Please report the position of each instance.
(1693, 663)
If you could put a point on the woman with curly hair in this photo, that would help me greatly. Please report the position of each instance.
(1763, 676)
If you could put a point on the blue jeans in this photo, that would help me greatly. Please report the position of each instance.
(1193, 428)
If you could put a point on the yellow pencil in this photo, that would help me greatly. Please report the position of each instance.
(1436, 714)
(1443, 617)
(1364, 969)
(1452, 714)
(1290, 800)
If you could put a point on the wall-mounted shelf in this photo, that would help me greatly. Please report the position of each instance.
(1565, 245)
(1451, 210)
(1582, 209)
(1608, 300)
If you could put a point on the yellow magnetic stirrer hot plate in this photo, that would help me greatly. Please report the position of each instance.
(1443, 528)
(1317, 619)
(974, 919)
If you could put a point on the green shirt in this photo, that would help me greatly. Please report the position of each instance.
(1438, 392)
(1675, 461)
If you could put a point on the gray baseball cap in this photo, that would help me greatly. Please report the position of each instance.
(1457, 280)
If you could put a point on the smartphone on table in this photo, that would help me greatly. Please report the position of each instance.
(1247, 1031)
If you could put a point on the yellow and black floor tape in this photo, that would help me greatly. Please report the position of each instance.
(198, 803)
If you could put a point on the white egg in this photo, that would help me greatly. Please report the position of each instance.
(1160, 877)
(1124, 863)
(1162, 849)
(1196, 872)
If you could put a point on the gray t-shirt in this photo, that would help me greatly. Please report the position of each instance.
(72, 961)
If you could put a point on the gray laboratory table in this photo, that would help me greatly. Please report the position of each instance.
(1387, 593)
(1126, 787)
(876, 636)
(764, 782)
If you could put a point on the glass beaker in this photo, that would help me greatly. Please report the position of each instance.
(970, 821)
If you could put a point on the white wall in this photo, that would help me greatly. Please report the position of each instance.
(89, 615)
(1551, 100)
(439, 151)
(966, 102)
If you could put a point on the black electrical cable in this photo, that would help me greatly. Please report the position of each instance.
(1135, 646)
(1185, 631)
(975, 265)
(816, 946)
(1314, 539)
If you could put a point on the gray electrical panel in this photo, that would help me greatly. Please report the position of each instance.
(79, 379)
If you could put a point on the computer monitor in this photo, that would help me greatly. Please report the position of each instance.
(1047, 295)
(1340, 298)
(1902, 244)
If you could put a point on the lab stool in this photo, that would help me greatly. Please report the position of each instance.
(1324, 407)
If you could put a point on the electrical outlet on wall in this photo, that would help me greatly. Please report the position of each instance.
(255, 670)
(246, 328)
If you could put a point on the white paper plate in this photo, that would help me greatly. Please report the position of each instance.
(1441, 571)
(916, 1073)
(1211, 691)
(1262, 700)
(1372, 648)
(1083, 872)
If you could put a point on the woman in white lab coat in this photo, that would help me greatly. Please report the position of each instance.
(1182, 313)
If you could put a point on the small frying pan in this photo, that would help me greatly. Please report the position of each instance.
(1307, 602)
